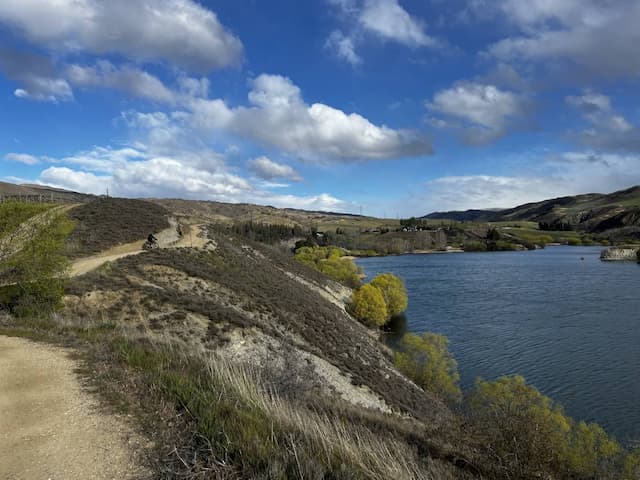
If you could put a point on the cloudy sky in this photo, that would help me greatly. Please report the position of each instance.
(398, 107)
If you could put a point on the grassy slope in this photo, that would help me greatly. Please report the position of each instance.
(206, 302)
(107, 222)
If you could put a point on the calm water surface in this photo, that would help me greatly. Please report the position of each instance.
(567, 322)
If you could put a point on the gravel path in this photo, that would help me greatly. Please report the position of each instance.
(51, 428)
(194, 236)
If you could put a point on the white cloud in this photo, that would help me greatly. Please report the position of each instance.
(608, 129)
(36, 75)
(128, 79)
(279, 117)
(266, 169)
(323, 202)
(486, 112)
(170, 177)
(77, 181)
(568, 173)
(486, 191)
(181, 32)
(388, 20)
(166, 160)
(597, 36)
(22, 158)
(343, 47)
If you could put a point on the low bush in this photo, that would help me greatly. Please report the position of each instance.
(426, 360)
(530, 433)
(107, 222)
(330, 261)
(34, 267)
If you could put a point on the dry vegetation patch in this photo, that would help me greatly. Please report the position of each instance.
(107, 222)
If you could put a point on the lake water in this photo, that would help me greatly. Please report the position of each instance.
(567, 322)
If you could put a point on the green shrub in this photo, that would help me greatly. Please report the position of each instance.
(574, 242)
(35, 267)
(531, 433)
(472, 246)
(427, 361)
(368, 305)
(330, 261)
(631, 466)
(393, 292)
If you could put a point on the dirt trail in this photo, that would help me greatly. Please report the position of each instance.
(193, 236)
(50, 427)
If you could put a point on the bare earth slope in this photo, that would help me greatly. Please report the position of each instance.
(50, 427)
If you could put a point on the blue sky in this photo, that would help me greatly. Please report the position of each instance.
(398, 107)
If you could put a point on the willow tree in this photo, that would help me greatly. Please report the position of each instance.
(393, 291)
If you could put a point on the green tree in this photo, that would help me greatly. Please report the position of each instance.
(367, 304)
(524, 428)
(33, 264)
(426, 359)
(592, 451)
(393, 291)
(331, 262)
(631, 468)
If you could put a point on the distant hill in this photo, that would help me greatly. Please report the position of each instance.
(592, 212)
(54, 194)
(465, 215)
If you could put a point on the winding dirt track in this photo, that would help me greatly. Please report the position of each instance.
(193, 236)
(51, 428)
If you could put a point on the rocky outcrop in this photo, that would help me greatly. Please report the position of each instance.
(619, 254)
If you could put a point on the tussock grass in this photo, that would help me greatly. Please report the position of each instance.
(244, 423)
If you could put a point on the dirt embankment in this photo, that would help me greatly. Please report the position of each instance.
(51, 427)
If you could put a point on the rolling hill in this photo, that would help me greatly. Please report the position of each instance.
(593, 213)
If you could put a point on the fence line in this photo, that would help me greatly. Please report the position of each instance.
(30, 198)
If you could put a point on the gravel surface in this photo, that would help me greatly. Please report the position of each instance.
(51, 427)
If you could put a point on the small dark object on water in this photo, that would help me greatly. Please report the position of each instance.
(581, 258)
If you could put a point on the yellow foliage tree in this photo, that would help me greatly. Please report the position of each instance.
(592, 450)
(631, 469)
(367, 304)
(426, 360)
(523, 426)
(393, 291)
(527, 430)
(330, 261)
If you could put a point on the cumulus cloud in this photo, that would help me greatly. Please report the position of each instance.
(181, 32)
(386, 20)
(266, 169)
(597, 36)
(127, 78)
(608, 129)
(279, 117)
(567, 173)
(165, 160)
(483, 113)
(22, 158)
(37, 76)
(140, 175)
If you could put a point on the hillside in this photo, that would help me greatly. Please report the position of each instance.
(43, 193)
(616, 214)
(235, 360)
